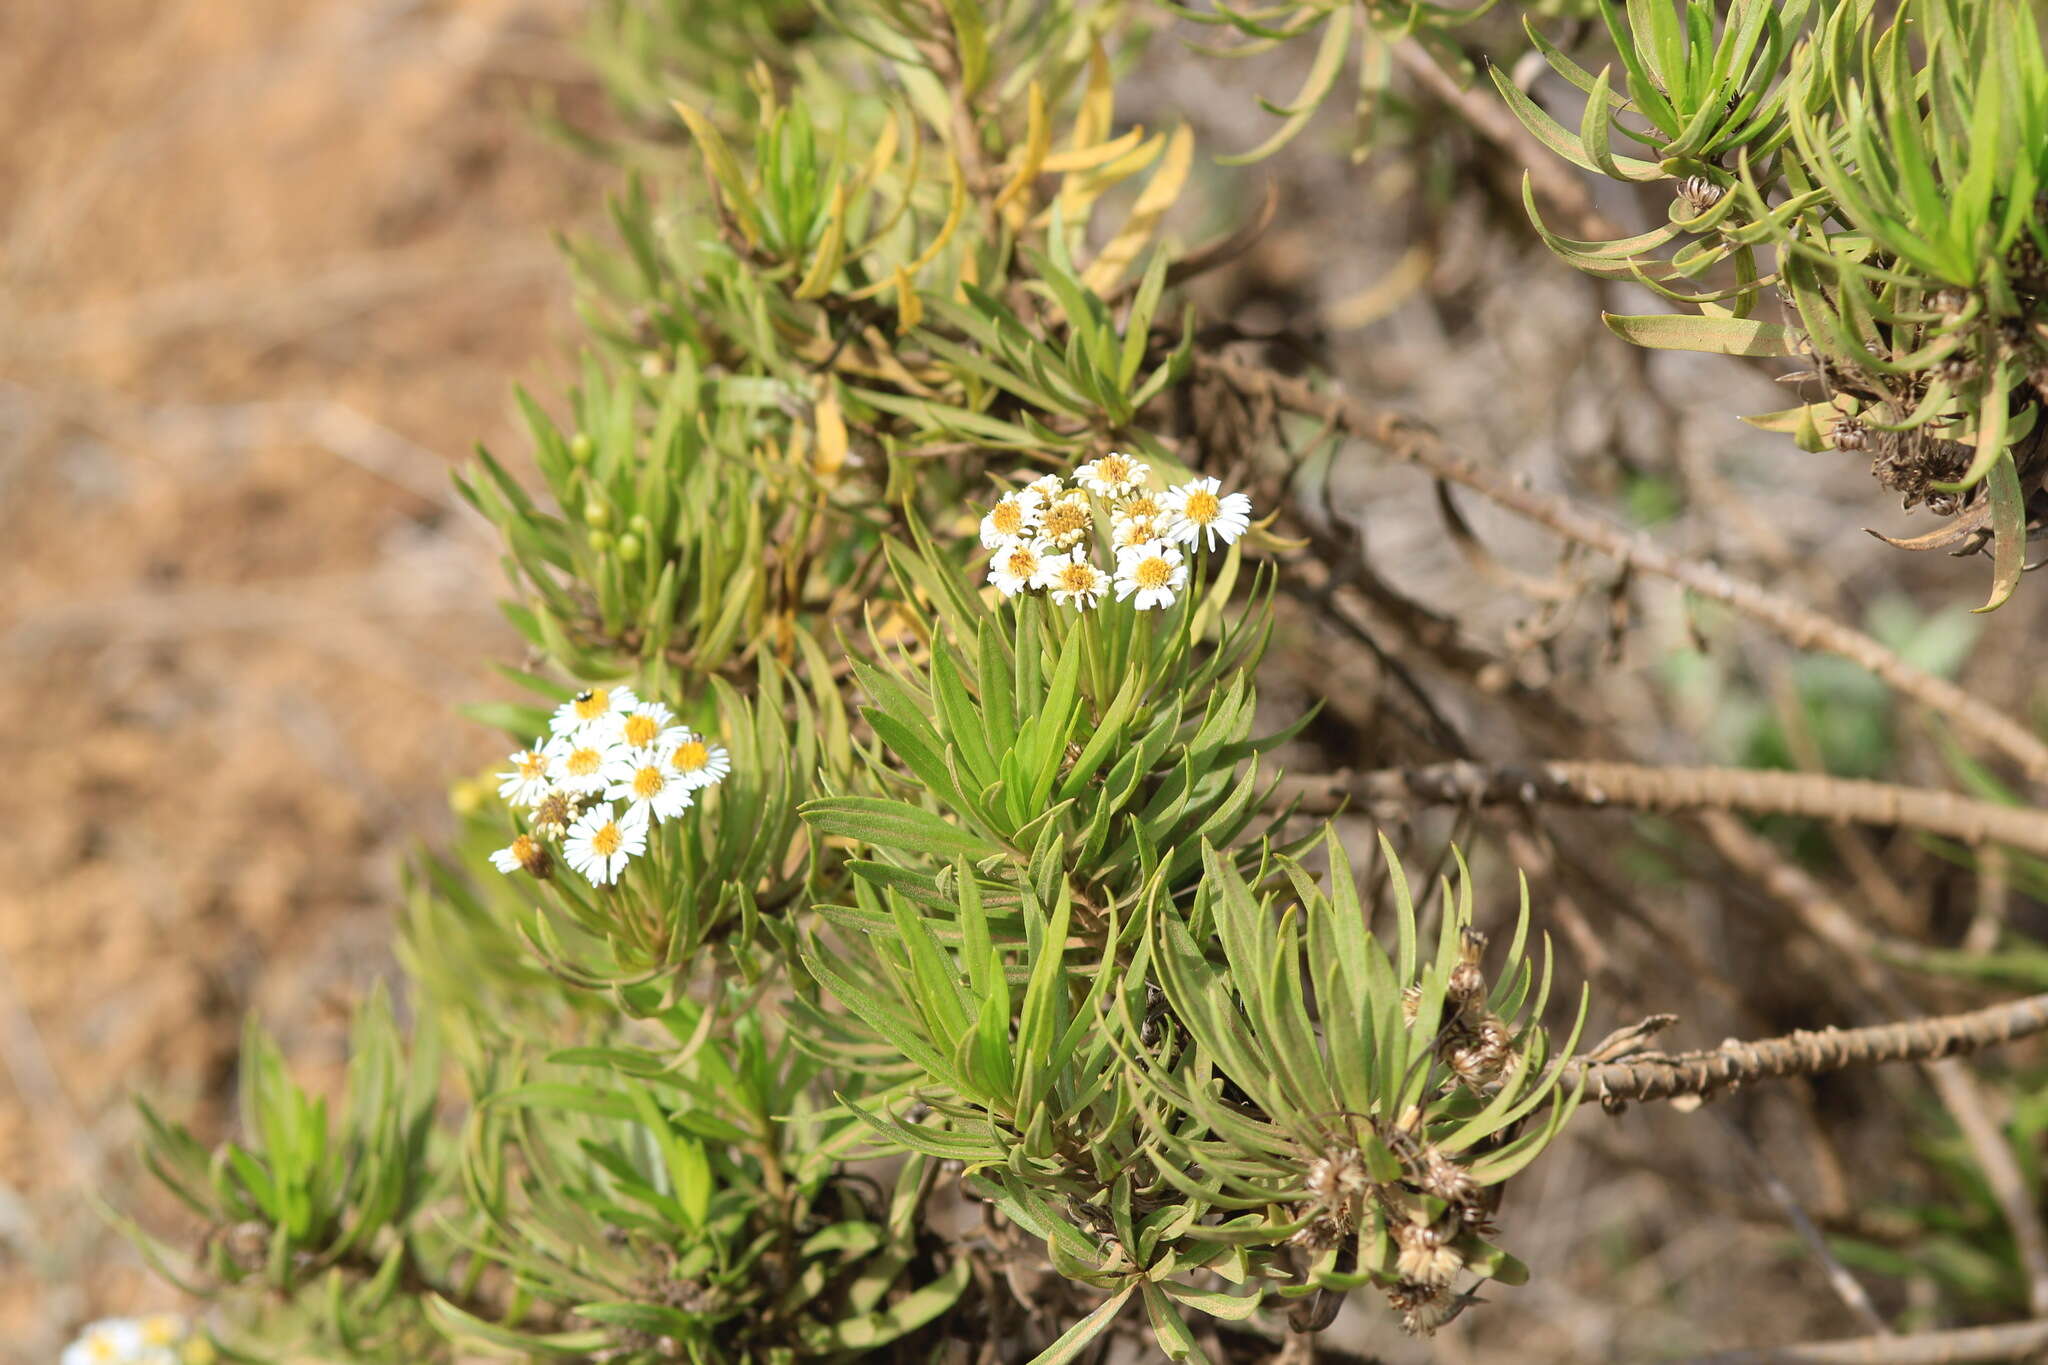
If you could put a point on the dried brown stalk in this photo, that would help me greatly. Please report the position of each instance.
(1808, 1052)
(1634, 786)
(1799, 625)
(2012, 1341)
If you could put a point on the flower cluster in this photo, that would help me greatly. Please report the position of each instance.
(604, 746)
(163, 1339)
(1043, 535)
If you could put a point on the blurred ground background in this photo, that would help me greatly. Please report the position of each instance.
(264, 269)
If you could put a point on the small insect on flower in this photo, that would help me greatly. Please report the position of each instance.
(590, 708)
(1073, 581)
(600, 845)
(525, 854)
(1155, 572)
(1014, 516)
(1013, 567)
(1198, 508)
(650, 780)
(1066, 520)
(1112, 475)
(530, 779)
(696, 762)
(646, 725)
(580, 761)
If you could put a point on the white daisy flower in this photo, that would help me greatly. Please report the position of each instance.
(1046, 486)
(1140, 504)
(1014, 566)
(1073, 581)
(1131, 532)
(647, 725)
(527, 853)
(696, 762)
(1155, 572)
(1198, 508)
(531, 778)
(110, 1341)
(594, 707)
(647, 778)
(1066, 520)
(1112, 475)
(1014, 517)
(600, 845)
(580, 761)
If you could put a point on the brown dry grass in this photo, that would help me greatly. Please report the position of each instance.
(264, 267)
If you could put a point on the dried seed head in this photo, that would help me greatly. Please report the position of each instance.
(1411, 1003)
(1477, 1052)
(1954, 368)
(552, 816)
(1447, 1180)
(1851, 434)
(1323, 1231)
(1950, 303)
(1423, 1307)
(1699, 193)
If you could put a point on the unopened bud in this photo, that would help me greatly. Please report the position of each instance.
(596, 514)
(629, 548)
(600, 542)
(580, 448)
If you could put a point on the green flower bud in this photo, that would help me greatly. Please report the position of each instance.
(580, 449)
(596, 514)
(601, 542)
(640, 526)
(629, 547)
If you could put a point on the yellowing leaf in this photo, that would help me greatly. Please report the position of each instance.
(1037, 142)
(725, 171)
(1160, 191)
(831, 455)
(1087, 158)
(956, 208)
(818, 279)
(909, 307)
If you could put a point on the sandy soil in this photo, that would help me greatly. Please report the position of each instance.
(264, 269)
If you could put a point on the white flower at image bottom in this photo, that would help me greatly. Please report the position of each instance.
(696, 762)
(1073, 581)
(1200, 508)
(594, 707)
(1155, 572)
(646, 779)
(600, 845)
(153, 1340)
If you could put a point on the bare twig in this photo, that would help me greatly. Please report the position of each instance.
(1633, 786)
(1808, 1052)
(1800, 625)
(1846, 1286)
(2013, 1341)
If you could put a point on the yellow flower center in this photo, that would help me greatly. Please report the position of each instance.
(591, 705)
(1007, 518)
(641, 730)
(1066, 519)
(606, 841)
(1021, 563)
(1202, 507)
(102, 1348)
(1139, 532)
(533, 765)
(584, 762)
(164, 1330)
(1140, 507)
(648, 782)
(1113, 469)
(1078, 578)
(525, 849)
(691, 755)
(1154, 572)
